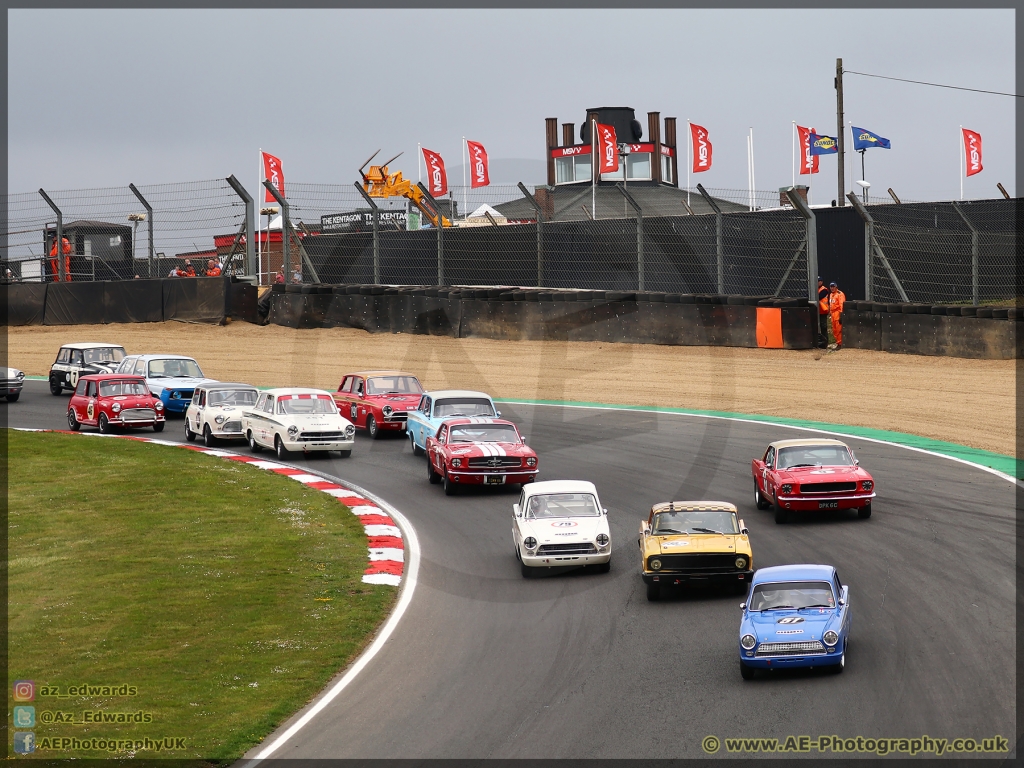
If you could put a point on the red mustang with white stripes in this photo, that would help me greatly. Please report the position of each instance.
(479, 451)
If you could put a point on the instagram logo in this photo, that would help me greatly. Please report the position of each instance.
(24, 690)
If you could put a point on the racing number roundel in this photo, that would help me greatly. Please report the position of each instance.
(91, 410)
(73, 378)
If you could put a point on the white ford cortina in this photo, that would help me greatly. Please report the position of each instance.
(297, 420)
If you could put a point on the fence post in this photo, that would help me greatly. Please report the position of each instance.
(639, 235)
(440, 231)
(719, 239)
(60, 238)
(811, 240)
(540, 233)
(873, 243)
(286, 252)
(376, 231)
(149, 222)
(250, 216)
(974, 253)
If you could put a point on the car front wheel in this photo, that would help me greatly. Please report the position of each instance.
(449, 486)
(253, 445)
(416, 450)
(13, 398)
(73, 423)
(746, 671)
(864, 512)
(279, 449)
(55, 388)
(654, 592)
(189, 434)
(759, 499)
(158, 426)
(208, 439)
(781, 514)
(432, 476)
(371, 427)
(527, 571)
(104, 424)
(603, 567)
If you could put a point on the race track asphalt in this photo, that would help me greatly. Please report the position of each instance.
(486, 664)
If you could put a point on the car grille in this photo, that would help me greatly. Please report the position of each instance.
(397, 416)
(827, 487)
(138, 414)
(697, 563)
(791, 649)
(495, 462)
(232, 426)
(10, 383)
(307, 436)
(579, 548)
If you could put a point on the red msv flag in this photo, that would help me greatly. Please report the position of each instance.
(701, 148)
(273, 173)
(608, 149)
(972, 151)
(808, 162)
(437, 179)
(478, 176)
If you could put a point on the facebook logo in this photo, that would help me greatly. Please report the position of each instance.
(24, 742)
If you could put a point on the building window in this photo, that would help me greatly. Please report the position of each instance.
(569, 170)
(638, 168)
(666, 169)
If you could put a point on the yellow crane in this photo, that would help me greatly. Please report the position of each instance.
(377, 182)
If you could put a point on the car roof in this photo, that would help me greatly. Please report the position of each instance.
(435, 394)
(89, 345)
(560, 486)
(694, 506)
(797, 572)
(116, 376)
(214, 384)
(380, 373)
(807, 441)
(162, 357)
(298, 391)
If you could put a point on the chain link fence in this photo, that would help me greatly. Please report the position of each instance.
(647, 237)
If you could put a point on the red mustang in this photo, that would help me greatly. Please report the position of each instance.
(479, 451)
(801, 475)
(378, 401)
(112, 400)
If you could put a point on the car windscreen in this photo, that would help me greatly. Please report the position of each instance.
(563, 505)
(171, 367)
(298, 404)
(484, 433)
(463, 406)
(104, 354)
(792, 594)
(223, 397)
(814, 456)
(393, 385)
(700, 521)
(115, 388)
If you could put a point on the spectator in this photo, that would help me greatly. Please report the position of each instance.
(175, 272)
(9, 276)
(836, 300)
(66, 248)
(189, 270)
(279, 279)
(296, 276)
(822, 314)
(137, 277)
(212, 268)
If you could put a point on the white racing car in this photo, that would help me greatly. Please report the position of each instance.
(216, 411)
(306, 420)
(559, 524)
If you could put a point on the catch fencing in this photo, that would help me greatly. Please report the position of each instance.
(633, 237)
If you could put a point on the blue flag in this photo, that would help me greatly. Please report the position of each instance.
(823, 145)
(866, 139)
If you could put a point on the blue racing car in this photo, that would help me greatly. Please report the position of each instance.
(795, 616)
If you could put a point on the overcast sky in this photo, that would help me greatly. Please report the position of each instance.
(155, 96)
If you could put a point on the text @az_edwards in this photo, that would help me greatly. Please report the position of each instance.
(922, 745)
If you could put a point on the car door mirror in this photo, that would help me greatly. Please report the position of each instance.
(743, 606)
(604, 511)
(841, 601)
(515, 510)
(497, 414)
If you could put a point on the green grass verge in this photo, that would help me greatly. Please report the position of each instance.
(227, 596)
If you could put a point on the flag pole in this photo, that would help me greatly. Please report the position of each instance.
(465, 205)
(419, 156)
(753, 182)
(960, 152)
(793, 161)
(594, 166)
(689, 158)
(259, 229)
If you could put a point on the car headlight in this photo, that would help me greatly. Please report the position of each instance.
(531, 461)
(830, 638)
(456, 463)
(748, 642)
(602, 539)
(350, 431)
(293, 431)
(116, 407)
(867, 485)
(655, 564)
(219, 419)
(387, 410)
(159, 406)
(530, 543)
(20, 376)
(786, 488)
(741, 563)
(175, 395)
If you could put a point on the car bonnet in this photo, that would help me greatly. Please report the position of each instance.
(790, 626)
(695, 542)
(549, 530)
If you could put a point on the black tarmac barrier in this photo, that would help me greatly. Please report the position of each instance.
(133, 301)
(74, 304)
(24, 303)
(531, 314)
(196, 300)
(990, 333)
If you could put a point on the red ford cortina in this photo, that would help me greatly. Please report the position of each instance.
(811, 475)
(113, 400)
(378, 401)
(479, 451)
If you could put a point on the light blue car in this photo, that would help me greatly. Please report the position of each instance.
(172, 378)
(435, 407)
(794, 616)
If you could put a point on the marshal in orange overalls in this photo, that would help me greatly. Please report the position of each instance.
(836, 299)
(54, 266)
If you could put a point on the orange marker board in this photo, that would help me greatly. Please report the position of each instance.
(769, 327)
